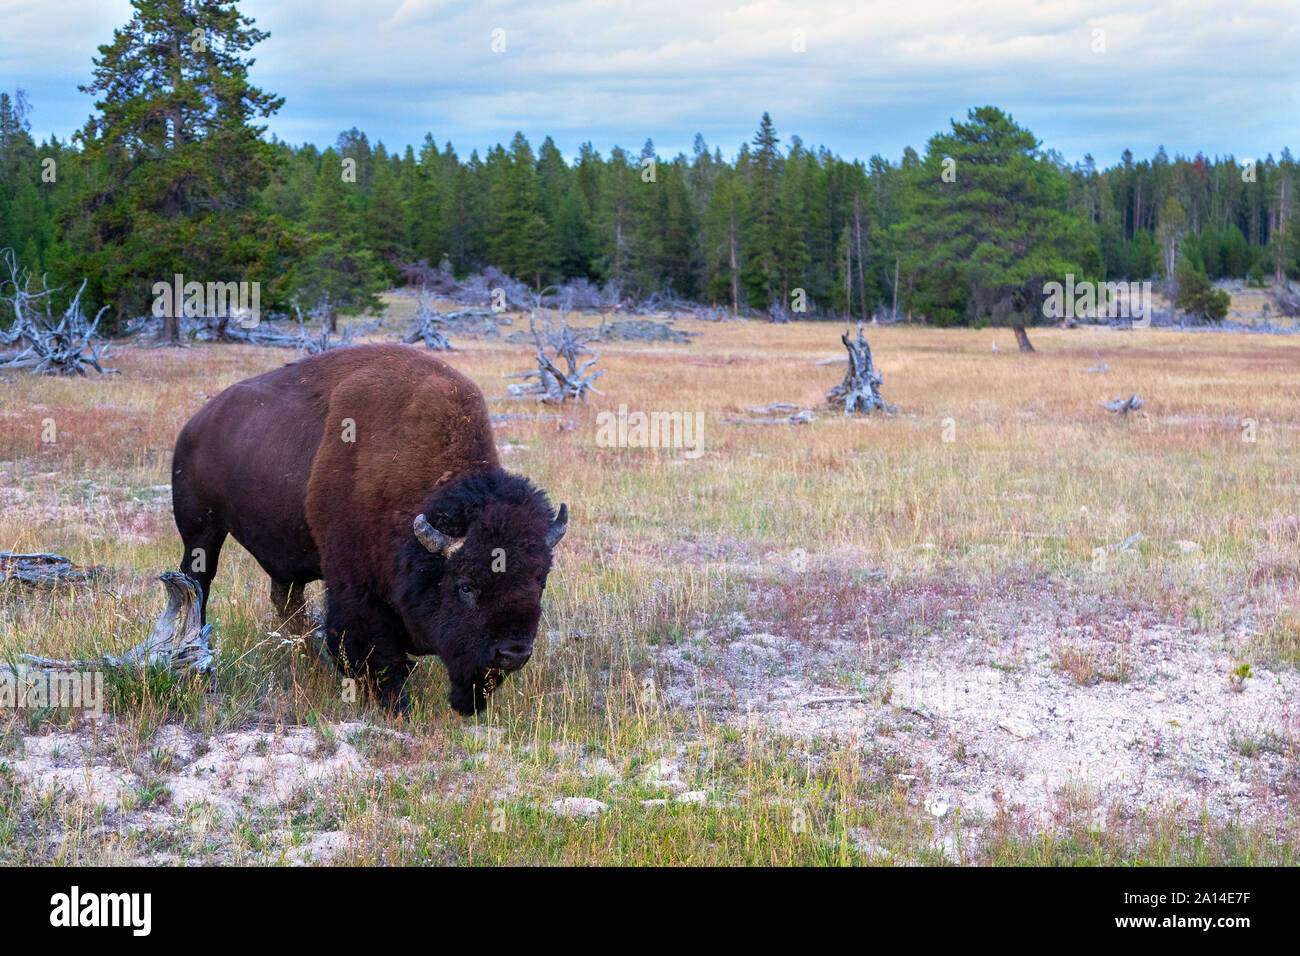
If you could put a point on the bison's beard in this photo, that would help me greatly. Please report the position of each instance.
(470, 696)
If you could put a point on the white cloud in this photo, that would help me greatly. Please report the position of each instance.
(1193, 76)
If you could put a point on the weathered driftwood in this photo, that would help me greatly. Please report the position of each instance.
(553, 385)
(44, 570)
(39, 342)
(176, 641)
(428, 326)
(845, 699)
(785, 412)
(1122, 406)
(502, 418)
(325, 340)
(232, 329)
(1286, 300)
(1128, 542)
(861, 386)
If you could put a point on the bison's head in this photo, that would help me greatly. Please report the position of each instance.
(478, 561)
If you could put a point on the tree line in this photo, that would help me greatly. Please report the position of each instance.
(174, 173)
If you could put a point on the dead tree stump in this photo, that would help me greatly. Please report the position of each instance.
(176, 642)
(860, 389)
(428, 326)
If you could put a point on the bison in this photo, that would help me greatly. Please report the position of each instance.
(374, 469)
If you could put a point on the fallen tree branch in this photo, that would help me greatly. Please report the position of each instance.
(848, 699)
(1127, 542)
(43, 569)
(553, 385)
(1122, 406)
(176, 641)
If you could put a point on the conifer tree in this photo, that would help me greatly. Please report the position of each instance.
(986, 223)
(176, 166)
(338, 275)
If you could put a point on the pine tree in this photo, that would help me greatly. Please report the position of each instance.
(1196, 296)
(385, 225)
(176, 166)
(520, 242)
(425, 208)
(615, 219)
(761, 272)
(980, 242)
(20, 218)
(723, 250)
(792, 258)
(339, 275)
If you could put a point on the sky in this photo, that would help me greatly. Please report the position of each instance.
(862, 78)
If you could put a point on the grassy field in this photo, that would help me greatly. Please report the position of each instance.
(909, 638)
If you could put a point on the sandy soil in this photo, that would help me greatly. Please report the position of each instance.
(987, 726)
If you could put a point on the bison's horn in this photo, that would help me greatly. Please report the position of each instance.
(560, 525)
(433, 539)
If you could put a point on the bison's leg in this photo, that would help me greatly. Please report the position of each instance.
(202, 548)
(202, 530)
(364, 636)
(290, 602)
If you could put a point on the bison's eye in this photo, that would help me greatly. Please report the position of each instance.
(468, 593)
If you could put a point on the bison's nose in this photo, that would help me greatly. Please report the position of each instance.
(514, 655)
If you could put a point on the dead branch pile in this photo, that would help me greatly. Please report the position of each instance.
(36, 341)
(572, 295)
(1286, 300)
(428, 326)
(433, 279)
(234, 329)
(44, 570)
(861, 386)
(568, 344)
(325, 340)
(640, 330)
(583, 295)
(496, 290)
(1122, 406)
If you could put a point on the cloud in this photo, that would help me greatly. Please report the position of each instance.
(872, 78)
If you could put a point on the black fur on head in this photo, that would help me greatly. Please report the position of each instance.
(472, 580)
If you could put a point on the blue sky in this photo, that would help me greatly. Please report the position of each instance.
(1222, 78)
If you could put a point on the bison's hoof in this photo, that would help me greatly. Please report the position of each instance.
(399, 705)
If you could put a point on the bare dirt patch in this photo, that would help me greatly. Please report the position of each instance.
(230, 772)
(994, 712)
